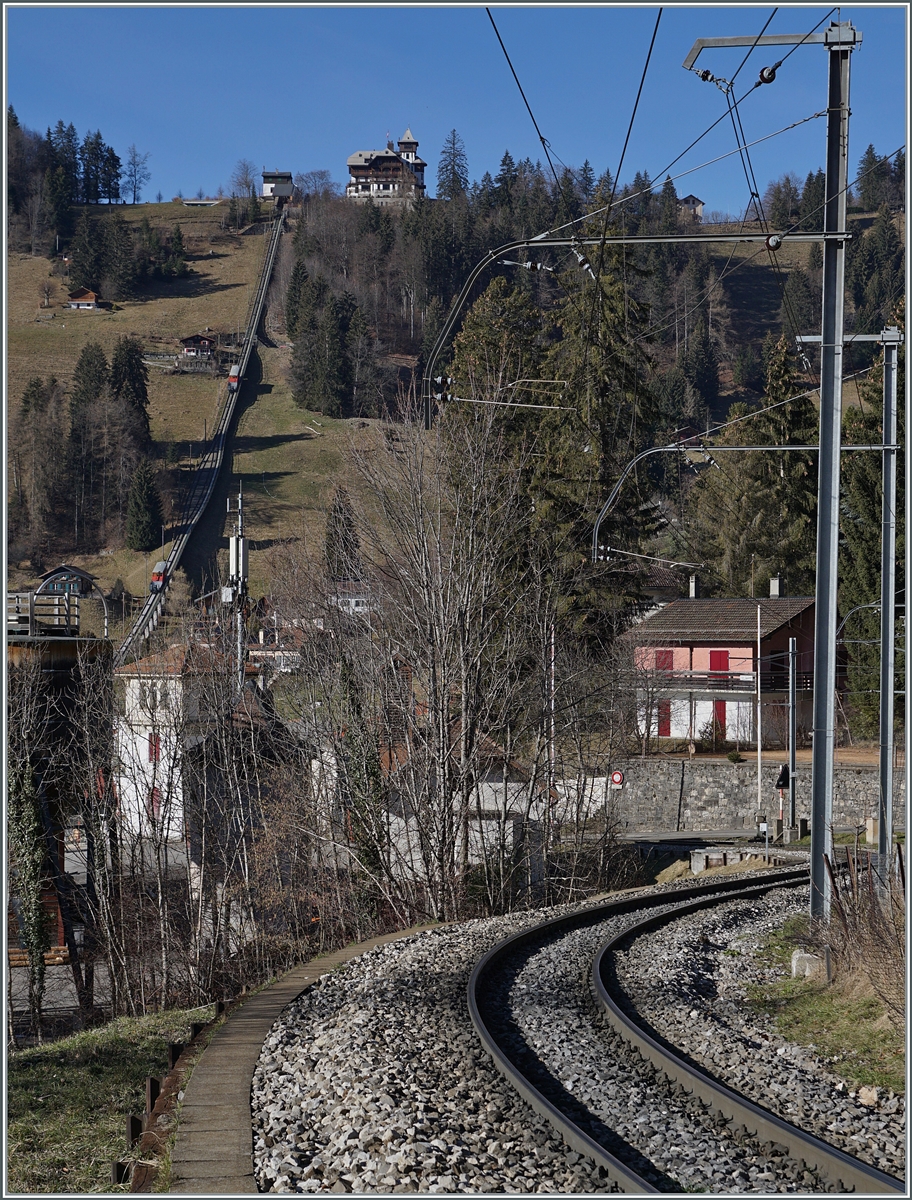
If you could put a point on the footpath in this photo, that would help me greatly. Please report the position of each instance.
(213, 1147)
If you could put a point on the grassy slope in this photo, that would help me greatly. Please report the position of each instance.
(289, 460)
(68, 1101)
(843, 1021)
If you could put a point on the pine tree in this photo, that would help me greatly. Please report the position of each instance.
(293, 296)
(874, 176)
(129, 379)
(585, 178)
(668, 207)
(860, 544)
(700, 364)
(756, 514)
(800, 309)
(813, 195)
(144, 510)
(342, 547)
(111, 173)
(118, 263)
(177, 255)
(452, 168)
(504, 180)
(86, 254)
(57, 201)
(90, 378)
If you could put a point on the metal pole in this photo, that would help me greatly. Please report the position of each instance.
(793, 729)
(840, 39)
(888, 599)
(759, 725)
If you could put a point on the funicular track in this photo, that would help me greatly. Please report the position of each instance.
(515, 1055)
(207, 473)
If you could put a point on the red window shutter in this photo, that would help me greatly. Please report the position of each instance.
(154, 747)
(718, 660)
(719, 715)
(664, 660)
(664, 718)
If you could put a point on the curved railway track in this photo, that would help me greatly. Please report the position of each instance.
(506, 995)
(207, 473)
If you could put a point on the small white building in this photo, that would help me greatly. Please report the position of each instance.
(277, 185)
(152, 736)
(692, 205)
(82, 298)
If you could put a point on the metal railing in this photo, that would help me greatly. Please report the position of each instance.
(731, 681)
(211, 460)
(29, 614)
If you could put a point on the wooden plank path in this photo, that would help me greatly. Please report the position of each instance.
(213, 1147)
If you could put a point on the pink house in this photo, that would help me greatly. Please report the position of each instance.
(696, 661)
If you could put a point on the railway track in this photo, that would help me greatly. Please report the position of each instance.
(210, 466)
(647, 1115)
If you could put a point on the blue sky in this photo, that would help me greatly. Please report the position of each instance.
(300, 87)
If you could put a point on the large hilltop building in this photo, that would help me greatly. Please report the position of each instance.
(387, 176)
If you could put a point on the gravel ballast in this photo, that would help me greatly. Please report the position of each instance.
(374, 1081)
(689, 981)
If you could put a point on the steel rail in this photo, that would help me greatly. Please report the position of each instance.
(617, 1171)
(845, 1171)
(207, 473)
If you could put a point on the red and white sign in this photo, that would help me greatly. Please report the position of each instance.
(617, 779)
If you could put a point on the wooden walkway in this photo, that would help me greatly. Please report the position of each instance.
(213, 1148)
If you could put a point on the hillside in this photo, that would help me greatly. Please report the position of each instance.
(288, 459)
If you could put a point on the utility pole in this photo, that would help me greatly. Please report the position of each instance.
(841, 39)
(891, 338)
(793, 731)
(237, 570)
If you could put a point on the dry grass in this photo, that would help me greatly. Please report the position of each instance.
(68, 1100)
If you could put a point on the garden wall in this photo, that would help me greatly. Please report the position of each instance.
(671, 794)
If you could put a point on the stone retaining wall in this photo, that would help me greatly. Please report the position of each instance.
(671, 794)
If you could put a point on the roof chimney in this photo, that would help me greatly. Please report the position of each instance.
(775, 586)
(694, 587)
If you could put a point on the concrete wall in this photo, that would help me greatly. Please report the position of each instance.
(670, 794)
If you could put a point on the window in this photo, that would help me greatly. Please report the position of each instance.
(664, 660)
(153, 804)
(154, 747)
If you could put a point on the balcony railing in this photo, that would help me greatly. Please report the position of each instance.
(49, 614)
(731, 681)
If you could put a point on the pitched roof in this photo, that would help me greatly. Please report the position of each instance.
(707, 619)
(196, 658)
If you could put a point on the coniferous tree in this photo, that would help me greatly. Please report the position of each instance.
(91, 162)
(452, 168)
(504, 180)
(90, 377)
(86, 254)
(860, 545)
(111, 172)
(668, 207)
(873, 186)
(813, 196)
(57, 201)
(700, 365)
(293, 297)
(800, 310)
(129, 379)
(177, 256)
(144, 510)
(118, 262)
